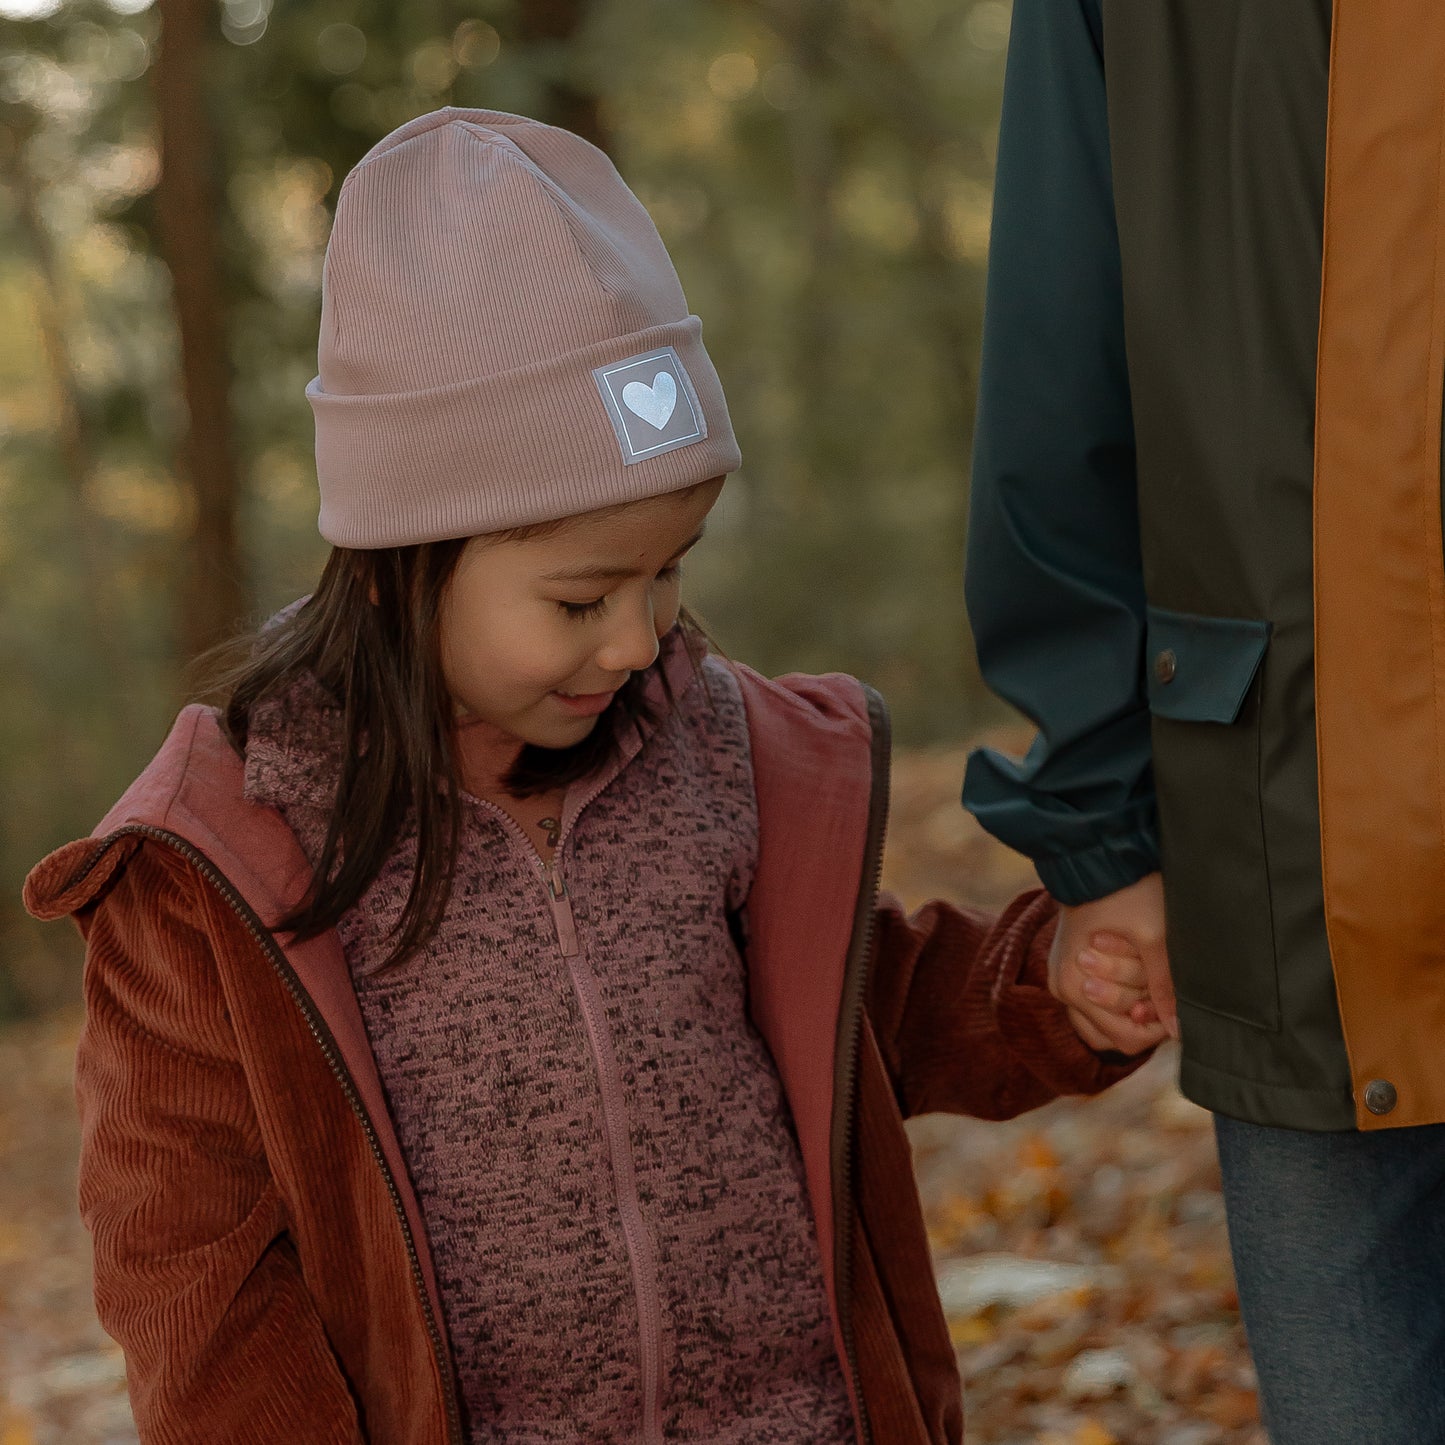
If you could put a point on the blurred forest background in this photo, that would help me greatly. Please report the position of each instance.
(820, 169)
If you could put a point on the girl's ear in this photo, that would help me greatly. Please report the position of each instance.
(372, 595)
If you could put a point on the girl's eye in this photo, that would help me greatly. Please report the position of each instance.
(583, 609)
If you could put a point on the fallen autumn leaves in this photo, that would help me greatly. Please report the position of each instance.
(1080, 1250)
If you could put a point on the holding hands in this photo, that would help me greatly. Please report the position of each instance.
(1110, 968)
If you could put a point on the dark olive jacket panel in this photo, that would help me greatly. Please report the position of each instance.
(1154, 616)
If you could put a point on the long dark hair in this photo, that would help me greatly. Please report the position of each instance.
(369, 635)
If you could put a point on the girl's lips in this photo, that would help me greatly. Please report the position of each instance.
(584, 704)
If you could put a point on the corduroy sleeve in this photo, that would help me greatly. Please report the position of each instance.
(195, 1275)
(965, 1022)
(1054, 582)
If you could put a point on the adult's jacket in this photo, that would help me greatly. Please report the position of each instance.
(293, 1297)
(1205, 553)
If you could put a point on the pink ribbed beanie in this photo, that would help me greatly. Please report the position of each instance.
(503, 340)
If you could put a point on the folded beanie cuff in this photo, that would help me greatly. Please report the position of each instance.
(506, 450)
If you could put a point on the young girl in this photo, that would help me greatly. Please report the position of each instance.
(493, 1031)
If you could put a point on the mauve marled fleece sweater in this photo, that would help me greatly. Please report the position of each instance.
(607, 1167)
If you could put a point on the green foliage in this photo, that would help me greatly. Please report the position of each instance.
(820, 170)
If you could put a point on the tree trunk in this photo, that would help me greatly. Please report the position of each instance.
(555, 23)
(815, 157)
(188, 213)
(956, 313)
(72, 432)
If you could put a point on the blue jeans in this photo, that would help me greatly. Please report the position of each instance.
(1339, 1253)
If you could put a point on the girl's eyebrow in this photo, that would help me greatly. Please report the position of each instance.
(614, 574)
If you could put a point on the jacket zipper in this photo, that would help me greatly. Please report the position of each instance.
(629, 1206)
(850, 1031)
(327, 1044)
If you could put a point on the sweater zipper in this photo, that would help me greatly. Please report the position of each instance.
(640, 1254)
(332, 1054)
(843, 1145)
(561, 903)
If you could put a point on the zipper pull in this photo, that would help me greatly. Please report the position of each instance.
(561, 901)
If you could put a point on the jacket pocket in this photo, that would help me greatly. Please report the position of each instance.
(1204, 686)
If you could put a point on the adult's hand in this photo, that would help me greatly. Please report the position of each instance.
(1089, 975)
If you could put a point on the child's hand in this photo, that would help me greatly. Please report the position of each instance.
(1128, 922)
(1105, 987)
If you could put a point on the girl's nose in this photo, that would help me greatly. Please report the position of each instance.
(632, 646)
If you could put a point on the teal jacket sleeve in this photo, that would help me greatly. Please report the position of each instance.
(1054, 583)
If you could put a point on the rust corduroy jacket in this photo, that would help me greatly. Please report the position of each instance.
(259, 1252)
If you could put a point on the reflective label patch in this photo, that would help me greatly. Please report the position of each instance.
(651, 404)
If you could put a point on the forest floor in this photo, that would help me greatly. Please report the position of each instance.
(1080, 1250)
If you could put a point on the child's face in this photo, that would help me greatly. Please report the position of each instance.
(537, 634)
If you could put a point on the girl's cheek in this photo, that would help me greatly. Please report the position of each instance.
(555, 649)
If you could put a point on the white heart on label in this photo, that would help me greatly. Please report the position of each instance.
(655, 404)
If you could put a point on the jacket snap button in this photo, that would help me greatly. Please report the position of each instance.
(1166, 665)
(1380, 1096)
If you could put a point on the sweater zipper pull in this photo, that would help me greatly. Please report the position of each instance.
(561, 901)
